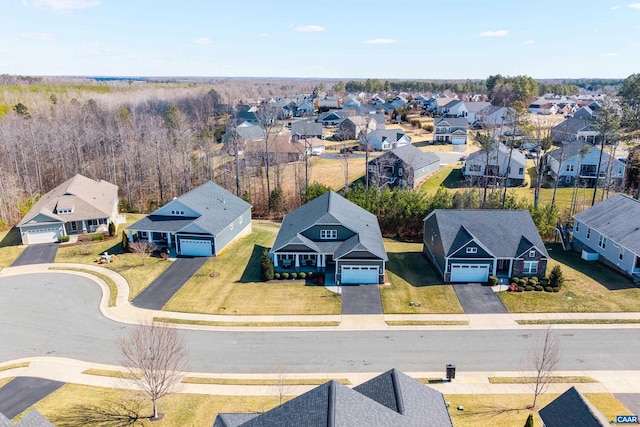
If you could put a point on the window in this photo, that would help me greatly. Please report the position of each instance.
(400, 171)
(530, 267)
(472, 250)
(328, 234)
(569, 168)
(588, 233)
(143, 234)
(621, 253)
(177, 212)
(475, 168)
(532, 254)
(602, 242)
(521, 171)
(577, 226)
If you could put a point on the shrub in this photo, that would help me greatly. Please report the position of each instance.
(294, 275)
(538, 288)
(276, 276)
(91, 237)
(493, 280)
(532, 282)
(125, 242)
(555, 277)
(556, 289)
(513, 284)
(112, 228)
(63, 239)
(310, 274)
(266, 267)
(528, 288)
(285, 275)
(548, 289)
(544, 281)
(533, 279)
(522, 282)
(515, 279)
(520, 289)
(303, 275)
(428, 127)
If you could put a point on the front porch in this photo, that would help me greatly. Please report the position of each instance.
(100, 225)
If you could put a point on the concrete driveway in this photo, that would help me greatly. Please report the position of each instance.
(22, 392)
(478, 299)
(361, 299)
(630, 400)
(43, 253)
(156, 295)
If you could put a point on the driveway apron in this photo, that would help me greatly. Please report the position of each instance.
(158, 293)
(478, 299)
(22, 392)
(361, 299)
(630, 400)
(43, 253)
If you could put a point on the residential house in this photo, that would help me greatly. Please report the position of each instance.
(279, 150)
(33, 418)
(201, 222)
(499, 165)
(301, 129)
(493, 116)
(569, 162)
(574, 129)
(438, 103)
(450, 130)
(385, 139)
(312, 146)
(454, 108)
(470, 245)
(610, 230)
(243, 133)
(472, 110)
(326, 103)
(352, 127)
(333, 235)
(404, 167)
(584, 113)
(571, 408)
(390, 399)
(334, 117)
(77, 206)
(304, 109)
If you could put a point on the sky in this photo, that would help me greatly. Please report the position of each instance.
(347, 39)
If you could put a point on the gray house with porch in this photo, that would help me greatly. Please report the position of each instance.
(201, 222)
(471, 245)
(332, 235)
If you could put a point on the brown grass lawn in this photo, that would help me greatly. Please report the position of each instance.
(509, 410)
(237, 288)
(413, 279)
(589, 287)
(10, 246)
(72, 405)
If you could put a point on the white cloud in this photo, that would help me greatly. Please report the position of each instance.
(308, 28)
(264, 34)
(203, 40)
(498, 33)
(46, 37)
(58, 5)
(634, 5)
(615, 7)
(530, 42)
(608, 54)
(381, 41)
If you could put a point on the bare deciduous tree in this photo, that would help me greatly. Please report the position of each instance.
(143, 249)
(156, 358)
(282, 387)
(543, 360)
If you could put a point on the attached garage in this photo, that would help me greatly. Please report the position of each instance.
(192, 247)
(469, 272)
(41, 235)
(359, 274)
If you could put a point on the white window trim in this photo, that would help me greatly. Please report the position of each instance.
(328, 234)
(602, 242)
(472, 250)
(621, 253)
(532, 254)
(528, 267)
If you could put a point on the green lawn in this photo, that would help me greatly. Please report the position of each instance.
(412, 279)
(236, 287)
(589, 287)
(10, 248)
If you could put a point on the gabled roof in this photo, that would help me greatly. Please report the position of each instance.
(573, 148)
(391, 399)
(474, 107)
(217, 208)
(617, 219)
(33, 418)
(333, 209)
(453, 121)
(381, 135)
(572, 409)
(306, 127)
(89, 199)
(499, 231)
(568, 129)
(497, 155)
(413, 156)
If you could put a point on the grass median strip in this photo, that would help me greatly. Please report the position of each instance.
(110, 373)
(262, 381)
(243, 324)
(578, 321)
(532, 380)
(427, 322)
(15, 366)
(113, 289)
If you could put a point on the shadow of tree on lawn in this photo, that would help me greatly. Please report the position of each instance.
(251, 272)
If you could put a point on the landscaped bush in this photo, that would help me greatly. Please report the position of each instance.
(520, 289)
(294, 275)
(515, 279)
(310, 274)
(532, 282)
(528, 288)
(514, 284)
(303, 275)
(91, 237)
(493, 280)
(556, 289)
(533, 279)
(522, 282)
(285, 275)
(428, 127)
(548, 289)
(555, 277)
(539, 288)
(63, 239)
(112, 228)
(266, 267)
(276, 276)
(544, 281)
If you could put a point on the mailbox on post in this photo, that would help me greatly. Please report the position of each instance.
(451, 372)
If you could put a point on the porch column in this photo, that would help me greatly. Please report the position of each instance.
(297, 260)
(129, 235)
(323, 260)
(84, 226)
(275, 260)
(510, 267)
(318, 260)
(495, 267)
(150, 236)
(169, 240)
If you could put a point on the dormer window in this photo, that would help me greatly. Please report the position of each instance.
(177, 212)
(328, 234)
(532, 254)
(472, 250)
(64, 211)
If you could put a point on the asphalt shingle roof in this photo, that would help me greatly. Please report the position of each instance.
(500, 231)
(572, 409)
(453, 121)
(333, 209)
(414, 156)
(617, 218)
(33, 418)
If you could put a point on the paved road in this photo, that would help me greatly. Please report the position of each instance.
(361, 299)
(158, 293)
(43, 253)
(22, 392)
(478, 299)
(44, 315)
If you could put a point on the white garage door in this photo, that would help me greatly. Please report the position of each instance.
(469, 272)
(42, 235)
(359, 274)
(191, 247)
